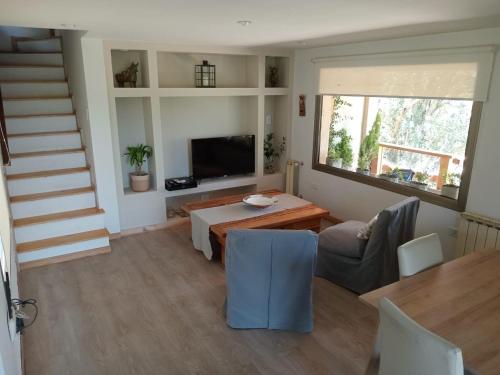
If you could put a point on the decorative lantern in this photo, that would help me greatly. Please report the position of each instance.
(204, 75)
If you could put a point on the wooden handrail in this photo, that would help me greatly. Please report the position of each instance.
(444, 159)
(4, 143)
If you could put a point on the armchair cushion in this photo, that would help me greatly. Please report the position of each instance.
(342, 239)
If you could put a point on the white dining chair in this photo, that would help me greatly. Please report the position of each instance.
(408, 348)
(419, 254)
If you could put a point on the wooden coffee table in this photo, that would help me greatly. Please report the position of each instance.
(304, 217)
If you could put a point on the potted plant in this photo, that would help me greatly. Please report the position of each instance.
(339, 149)
(420, 180)
(390, 175)
(452, 186)
(270, 153)
(368, 150)
(137, 155)
(333, 159)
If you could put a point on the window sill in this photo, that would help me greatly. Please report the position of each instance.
(426, 196)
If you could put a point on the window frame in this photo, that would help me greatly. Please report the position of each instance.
(457, 205)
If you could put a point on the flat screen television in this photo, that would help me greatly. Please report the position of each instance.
(223, 156)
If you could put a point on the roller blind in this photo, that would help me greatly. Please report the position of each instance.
(462, 73)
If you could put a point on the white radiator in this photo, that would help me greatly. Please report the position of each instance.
(292, 176)
(477, 232)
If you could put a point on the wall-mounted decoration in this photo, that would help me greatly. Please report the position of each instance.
(128, 75)
(302, 105)
(204, 75)
(273, 76)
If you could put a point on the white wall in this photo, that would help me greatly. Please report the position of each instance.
(73, 64)
(100, 130)
(351, 200)
(201, 117)
(10, 351)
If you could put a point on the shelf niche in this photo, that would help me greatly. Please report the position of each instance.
(283, 66)
(121, 60)
(276, 121)
(176, 70)
(135, 127)
(185, 118)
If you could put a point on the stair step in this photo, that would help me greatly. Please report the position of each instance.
(42, 97)
(40, 45)
(34, 89)
(40, 115)
(43, 134)
(46, 141)
(50, 58)
(52, 202)
(39, 124)
(56, 172)
(24, 65)
(28, 81)
(57, 216)
(62, 240)
(29, 106)
(46, 161)
(35, 228)
(51, 194)
(31, 73)
(46, 153)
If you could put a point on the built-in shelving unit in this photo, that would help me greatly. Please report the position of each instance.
(121, 60)
(232, 71)
(276, 119)
(135, 127)
(166, 110)
(282, 64)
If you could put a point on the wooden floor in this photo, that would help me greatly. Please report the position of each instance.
(154, 306)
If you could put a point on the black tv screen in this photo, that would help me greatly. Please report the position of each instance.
(223, 156)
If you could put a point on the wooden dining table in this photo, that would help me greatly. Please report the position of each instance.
(459, 301)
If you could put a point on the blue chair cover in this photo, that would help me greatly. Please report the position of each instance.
(269, 279)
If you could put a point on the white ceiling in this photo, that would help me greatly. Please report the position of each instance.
(283, 22)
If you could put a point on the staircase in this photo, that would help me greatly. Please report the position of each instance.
(52, 199)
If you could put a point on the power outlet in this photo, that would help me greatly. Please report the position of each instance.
(269, 120)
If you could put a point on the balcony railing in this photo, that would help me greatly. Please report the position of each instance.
(444, 159)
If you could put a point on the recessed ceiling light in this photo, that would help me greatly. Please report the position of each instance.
(244, 22)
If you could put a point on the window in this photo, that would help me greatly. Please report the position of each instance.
(402, 121)
(414, 146)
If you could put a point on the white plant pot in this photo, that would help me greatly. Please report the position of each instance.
(139, 182)
(450, 191)
(388, 178)
(419, 185)
(337, 163)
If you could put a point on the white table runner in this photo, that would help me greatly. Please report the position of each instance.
(201, 220)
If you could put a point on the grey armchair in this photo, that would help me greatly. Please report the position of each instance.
(364, 265)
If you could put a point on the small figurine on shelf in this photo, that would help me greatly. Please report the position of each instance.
(128, 75)
(273, 76)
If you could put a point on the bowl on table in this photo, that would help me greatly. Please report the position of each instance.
(259, 200)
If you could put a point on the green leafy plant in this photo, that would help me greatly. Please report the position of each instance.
(453, 179)
(421, 177)
(137, 155)
(396, 172)
(336, 152)
(270, 152)
(369, 147)
(341, 147)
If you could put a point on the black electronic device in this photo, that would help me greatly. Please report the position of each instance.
(180, 183)
(223, 156)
